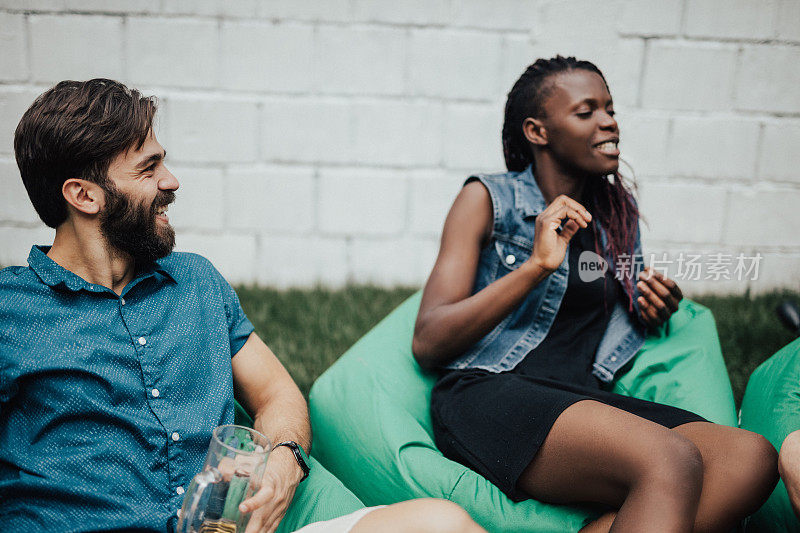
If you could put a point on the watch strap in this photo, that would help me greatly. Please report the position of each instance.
(299, 455)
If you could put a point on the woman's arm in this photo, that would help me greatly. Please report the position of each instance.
(450, 320)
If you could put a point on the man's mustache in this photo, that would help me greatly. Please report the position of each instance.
(163, 198)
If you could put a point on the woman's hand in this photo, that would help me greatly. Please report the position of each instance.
(550, 245)
(659, 299)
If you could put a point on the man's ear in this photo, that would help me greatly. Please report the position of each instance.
(534, 131)
(84, 196)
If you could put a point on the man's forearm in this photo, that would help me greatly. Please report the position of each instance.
(285, 417)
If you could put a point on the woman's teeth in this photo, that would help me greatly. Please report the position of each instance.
(608, 146)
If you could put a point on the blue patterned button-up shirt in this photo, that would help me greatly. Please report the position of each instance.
(107, 402)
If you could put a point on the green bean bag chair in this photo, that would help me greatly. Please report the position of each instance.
(771, 407)
(372, 427)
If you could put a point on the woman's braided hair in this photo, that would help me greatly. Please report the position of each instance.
(612, 201)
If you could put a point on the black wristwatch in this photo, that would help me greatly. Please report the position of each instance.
(299, 456)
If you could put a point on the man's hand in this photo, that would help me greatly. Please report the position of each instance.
(659, 299)
(281, 477)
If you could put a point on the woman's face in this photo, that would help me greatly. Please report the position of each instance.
(579, 120)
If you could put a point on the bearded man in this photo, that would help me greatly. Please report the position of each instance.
(118, 357)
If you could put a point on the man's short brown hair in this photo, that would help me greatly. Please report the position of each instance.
(74, 130)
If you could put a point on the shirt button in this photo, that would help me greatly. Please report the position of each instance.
(155, 393)
(142, 341)
(176, 437)
(179, 490)
(122, 301)
(178, 512)
(510, 259)
(613, 358)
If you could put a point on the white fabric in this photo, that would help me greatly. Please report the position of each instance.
(343, 524)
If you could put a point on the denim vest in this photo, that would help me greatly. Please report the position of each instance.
(516, 201)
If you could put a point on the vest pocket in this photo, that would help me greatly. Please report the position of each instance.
(511, 255)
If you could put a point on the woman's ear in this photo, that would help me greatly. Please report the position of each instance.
(82, 195)
(534, 131)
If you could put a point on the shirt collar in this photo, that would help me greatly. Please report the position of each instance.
(56, 276)
(528, 199)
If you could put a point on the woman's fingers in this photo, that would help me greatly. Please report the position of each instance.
(654, 301)
(569, 228)
(648, 313)
(663, 287)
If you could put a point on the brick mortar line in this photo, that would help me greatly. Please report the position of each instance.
(682, 39)
(275, 20)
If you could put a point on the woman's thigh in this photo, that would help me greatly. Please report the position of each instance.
(596, 453)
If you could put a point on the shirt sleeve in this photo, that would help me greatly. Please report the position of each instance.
(239, 326)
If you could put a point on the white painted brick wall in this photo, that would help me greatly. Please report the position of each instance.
(445, 63)
(260, 56)
(778, 158)
(324, 142)
(212, 130)
(421, 12)
(292, 261)
(271, 199)
(731, 19)
(13, 205)
(768, 79)
(472, 137)
(191, 45)
(13, 60)
(360, 60)
(364, 201)
(789, 20)
(13, 103)
(75, 47)
(689, 75)
(714, 148)
(679, 212)
(763, 218)
(198, 204)
(651, 18)
(397, 133)
(644, 143)
(303, 130)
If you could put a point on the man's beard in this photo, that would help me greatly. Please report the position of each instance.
(131, 227)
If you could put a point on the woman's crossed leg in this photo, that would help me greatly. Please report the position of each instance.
(695, 477)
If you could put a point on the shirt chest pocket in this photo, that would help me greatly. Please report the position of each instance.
(511, 255)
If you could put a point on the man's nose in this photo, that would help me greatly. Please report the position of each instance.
(168, 181)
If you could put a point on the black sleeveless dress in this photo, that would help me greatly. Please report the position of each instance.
(495, 423)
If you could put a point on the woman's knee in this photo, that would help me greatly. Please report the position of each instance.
(755, 460)
(675, 465)
(443, 516)
(789, 458)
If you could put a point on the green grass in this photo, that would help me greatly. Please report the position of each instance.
(749, 332)
(309, 329)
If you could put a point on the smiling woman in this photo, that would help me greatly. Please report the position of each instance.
(506, 315)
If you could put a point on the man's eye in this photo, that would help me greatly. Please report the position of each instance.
(584, 114)
(611, 112)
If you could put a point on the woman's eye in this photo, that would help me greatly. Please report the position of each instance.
(611, 112)
(584, 114)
